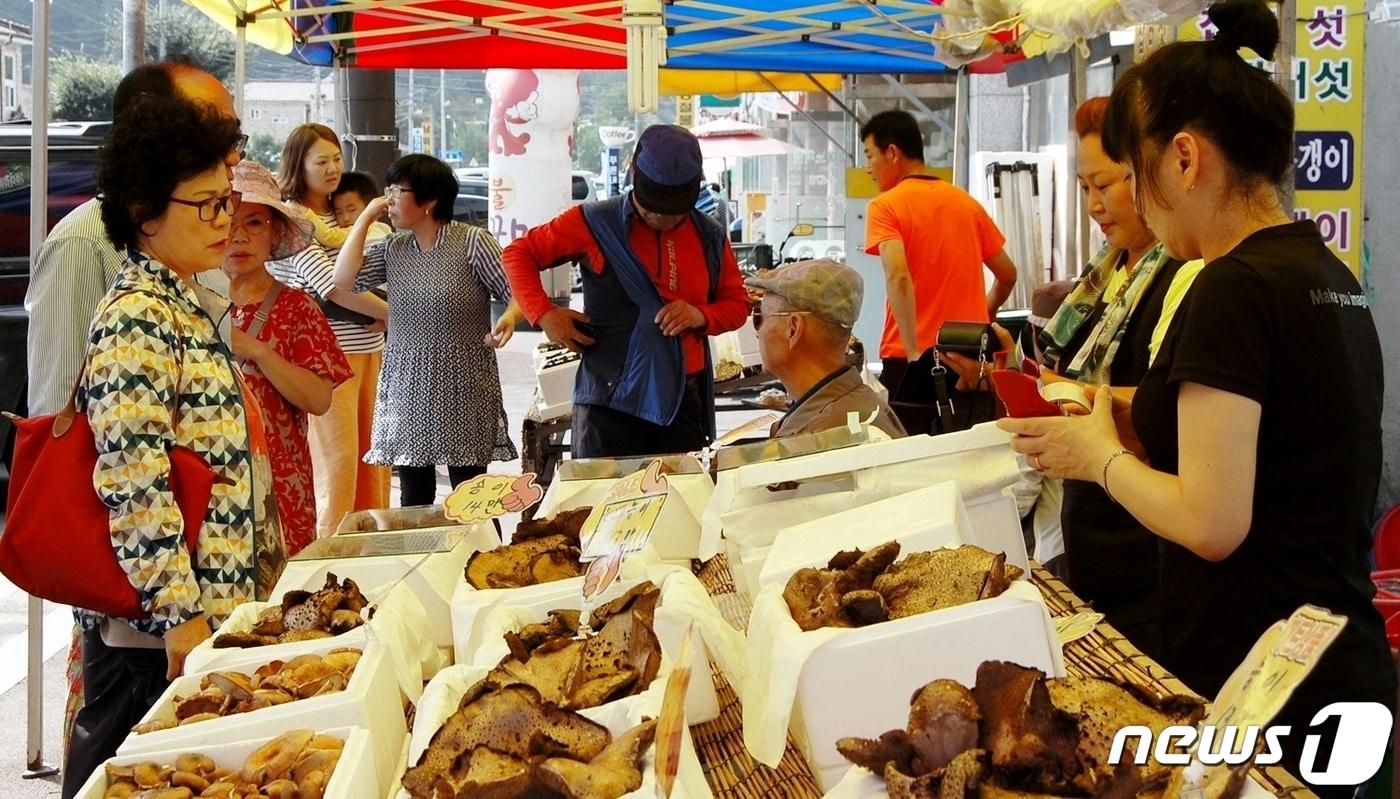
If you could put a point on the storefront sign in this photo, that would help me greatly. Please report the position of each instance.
(1326, 83)
(492, 495)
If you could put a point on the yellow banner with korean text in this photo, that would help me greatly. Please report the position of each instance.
(1327, 87)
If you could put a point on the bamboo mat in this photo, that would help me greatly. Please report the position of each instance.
(728, 767)
(1106, 653)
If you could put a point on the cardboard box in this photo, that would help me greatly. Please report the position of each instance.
(370, 701)
(557, 383)
(354, 776)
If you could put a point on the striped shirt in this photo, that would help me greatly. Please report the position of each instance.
(313, 270)
(72, 272)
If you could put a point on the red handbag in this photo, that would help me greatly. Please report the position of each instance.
(57, 542)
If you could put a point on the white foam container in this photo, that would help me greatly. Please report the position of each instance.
(353, 778)
(557, 382)
(926, 519)
(747, 510)
(432, 577)
(676, 536)
(701, 703)
(860, 683)
(443, 694)
(371, 700)
(398, 616)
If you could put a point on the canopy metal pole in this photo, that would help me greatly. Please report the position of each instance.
(819, 126)
(38, 229)
(240, 57)
(442, 112)
(133, 34)
(1077, 248)
(961, 157)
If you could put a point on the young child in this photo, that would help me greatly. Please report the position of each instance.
(350, 198)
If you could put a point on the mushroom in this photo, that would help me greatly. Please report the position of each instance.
(611, 774)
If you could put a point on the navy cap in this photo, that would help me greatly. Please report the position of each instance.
(667, 168)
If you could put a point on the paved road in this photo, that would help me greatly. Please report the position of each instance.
(518, 386)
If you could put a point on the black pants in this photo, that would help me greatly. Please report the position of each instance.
(418, 484)
(601, 432)
(119, 686)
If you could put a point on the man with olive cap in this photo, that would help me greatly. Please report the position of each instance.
(804, 329)
(659, 277)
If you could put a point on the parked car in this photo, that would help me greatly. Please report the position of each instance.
(474, 209)
(72, 176)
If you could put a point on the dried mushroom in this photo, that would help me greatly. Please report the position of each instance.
(294, 765)
(541, 551)
(620, 660)
(303, 616)
(1018, 735)
(859, 588)
(614, 772)
(226, 693)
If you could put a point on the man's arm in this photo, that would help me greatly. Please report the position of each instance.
(1004, 272)
(71, 275)
(899, 289)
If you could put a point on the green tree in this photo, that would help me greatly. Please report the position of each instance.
(265, 150)
(83, 88)
(191, 35)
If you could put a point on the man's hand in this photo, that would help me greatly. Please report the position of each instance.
(678, 316)
(561, 326)
(180, 641)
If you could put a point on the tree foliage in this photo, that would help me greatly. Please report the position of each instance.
(190, 35)
(266, 150)
(83, 88)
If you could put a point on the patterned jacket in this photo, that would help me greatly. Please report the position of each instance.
(158, 375)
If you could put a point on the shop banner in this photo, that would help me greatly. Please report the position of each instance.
(1327, 89)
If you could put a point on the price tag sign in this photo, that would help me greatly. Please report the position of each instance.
(601, 574)
(492, 495)
(624, 519)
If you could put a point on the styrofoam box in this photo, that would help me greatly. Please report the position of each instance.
(860, 683)
(701, 704)
(675, 537)
(557, 382)
(441, 699)
(432, 577)
(547, 413)
(371, 700)
(399, 602)
(353, 778)
(927, 519)
(744, 508)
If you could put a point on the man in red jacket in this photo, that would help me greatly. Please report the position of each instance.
(659, 277)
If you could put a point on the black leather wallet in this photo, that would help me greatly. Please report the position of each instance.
(973, 339)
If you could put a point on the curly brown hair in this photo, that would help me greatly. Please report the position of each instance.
(155, 144)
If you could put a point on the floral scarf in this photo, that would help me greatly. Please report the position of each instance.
(1091, 363)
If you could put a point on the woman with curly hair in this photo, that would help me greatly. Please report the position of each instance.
(340, 437)
(158, 375)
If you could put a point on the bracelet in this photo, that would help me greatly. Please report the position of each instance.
(1108, 463)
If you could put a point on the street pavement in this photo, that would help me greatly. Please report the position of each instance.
(518, 387)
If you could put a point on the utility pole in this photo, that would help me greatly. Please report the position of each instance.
(133, 34)
(160, 13)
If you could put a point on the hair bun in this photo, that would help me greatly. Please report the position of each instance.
(1245, 23)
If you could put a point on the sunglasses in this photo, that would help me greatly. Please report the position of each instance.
(758, 316)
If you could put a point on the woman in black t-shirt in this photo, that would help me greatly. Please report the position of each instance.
(1260, 417)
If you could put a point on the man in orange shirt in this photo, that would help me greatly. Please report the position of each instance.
(933, 239)
(659, 277)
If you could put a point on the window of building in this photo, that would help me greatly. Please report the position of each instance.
(255, 113)
(8, 77)
(279, 120)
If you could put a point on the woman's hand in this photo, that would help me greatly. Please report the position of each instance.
(501, 333)
(1068, 447)
(970, 370)
(245, 346)
(374, 209)
(181, 640)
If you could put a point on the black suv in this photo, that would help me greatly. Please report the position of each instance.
(73, 150)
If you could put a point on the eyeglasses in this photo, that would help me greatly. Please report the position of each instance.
(395, 192)
(241, 146)
(758, 316)
(209, 209)
(252, 225)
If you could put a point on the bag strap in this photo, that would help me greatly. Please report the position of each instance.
(264, 311)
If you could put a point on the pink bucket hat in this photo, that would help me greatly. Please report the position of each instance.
(255, 184)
